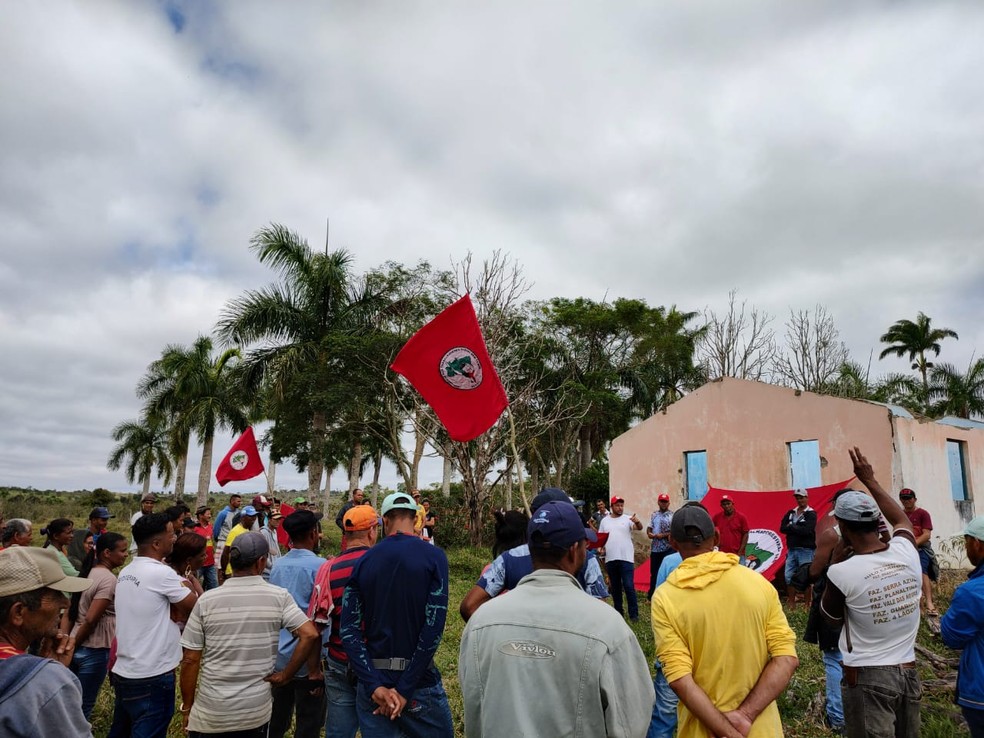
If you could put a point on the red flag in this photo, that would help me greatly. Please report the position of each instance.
(447, 363)
(242, 462)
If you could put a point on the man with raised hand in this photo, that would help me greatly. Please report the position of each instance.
(393, 614)
(873, 590)
(551, 639)
(721, 637)
(620, 556)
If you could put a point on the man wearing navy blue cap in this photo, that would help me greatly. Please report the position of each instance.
(550, 638)
(509, 567)
(98, 521)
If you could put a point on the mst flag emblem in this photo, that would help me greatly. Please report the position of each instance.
(461, 368)
(242, 461)
(448, 364)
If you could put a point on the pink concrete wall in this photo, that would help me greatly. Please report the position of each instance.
(745, 427)
(922, 463)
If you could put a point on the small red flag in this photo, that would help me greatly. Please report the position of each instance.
(447, 363)
(242, 462)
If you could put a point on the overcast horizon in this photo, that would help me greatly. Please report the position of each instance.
(802, 153)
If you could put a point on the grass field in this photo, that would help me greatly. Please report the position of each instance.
(801, 705)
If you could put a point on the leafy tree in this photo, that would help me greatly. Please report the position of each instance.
(142, 447)
(299, 328)
(199, 392)
(953, 393)
(915, 338)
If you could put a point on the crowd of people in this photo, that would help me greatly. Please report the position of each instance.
(259, 638)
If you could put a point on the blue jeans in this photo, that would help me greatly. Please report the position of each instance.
(342, 720)
(664, 721)
(143, 707)
(208, 577)
(795, 558)
(89, 665)
(427, 715)
(835, 702)
(620, 575)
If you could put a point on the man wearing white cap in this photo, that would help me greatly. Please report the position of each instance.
(962, 627)
(873, 589)
(38, 697)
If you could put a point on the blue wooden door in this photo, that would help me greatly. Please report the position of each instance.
(804, 463)
(958, 476)
(696, 474)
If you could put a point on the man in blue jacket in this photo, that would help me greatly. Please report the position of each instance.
(963, 627)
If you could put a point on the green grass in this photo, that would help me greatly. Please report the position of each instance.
(801, 705)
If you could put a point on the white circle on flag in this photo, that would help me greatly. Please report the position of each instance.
(461, 369)
(763, 547)
(239, 460)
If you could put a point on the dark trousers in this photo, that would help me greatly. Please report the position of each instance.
(655, 560)
(883, 704)
(303, 699)
(975, 721)
(620, 573)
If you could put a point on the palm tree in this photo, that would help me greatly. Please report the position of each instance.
(958, 394)
(915, 339)
(142, 446)
(303, 324)
(198, 390)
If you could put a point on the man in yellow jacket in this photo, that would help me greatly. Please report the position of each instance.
(721, 636)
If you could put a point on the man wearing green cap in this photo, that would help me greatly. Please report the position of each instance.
(962, 627)
(393, 614)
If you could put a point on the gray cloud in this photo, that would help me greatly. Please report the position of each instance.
(802, 152)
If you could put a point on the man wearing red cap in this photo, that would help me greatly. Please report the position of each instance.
(733, 528)
(659, 533)
(620, 555)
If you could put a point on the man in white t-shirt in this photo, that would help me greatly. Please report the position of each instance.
(147, 503)
(150, 598)
(873, 590)
(620, 555)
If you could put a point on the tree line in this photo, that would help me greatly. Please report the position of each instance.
(311, 353)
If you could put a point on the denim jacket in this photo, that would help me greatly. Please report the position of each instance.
(569, 661)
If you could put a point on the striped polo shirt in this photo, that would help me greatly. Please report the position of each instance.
(238, 627)
(338, 576)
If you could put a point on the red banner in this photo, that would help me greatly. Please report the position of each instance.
(766, 549)
(448, 364)
(242, 462)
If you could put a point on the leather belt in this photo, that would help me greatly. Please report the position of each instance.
(851, 672)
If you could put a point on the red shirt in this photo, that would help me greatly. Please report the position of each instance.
(6, 651)
(338, 576)
(920, 521)
(206, 532)
(731, 530)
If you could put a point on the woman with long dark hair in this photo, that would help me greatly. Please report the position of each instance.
(58, 535)
(186, 559)
(94, 616)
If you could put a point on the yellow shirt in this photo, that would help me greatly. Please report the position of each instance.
(720, 622)
(418, 524)
(236, 530)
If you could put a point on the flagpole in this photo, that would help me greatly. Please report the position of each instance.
(519, 462)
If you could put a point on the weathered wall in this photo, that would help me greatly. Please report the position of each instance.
(922, 465)
(745, 427)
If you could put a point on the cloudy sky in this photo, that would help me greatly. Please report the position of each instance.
(809, 152)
